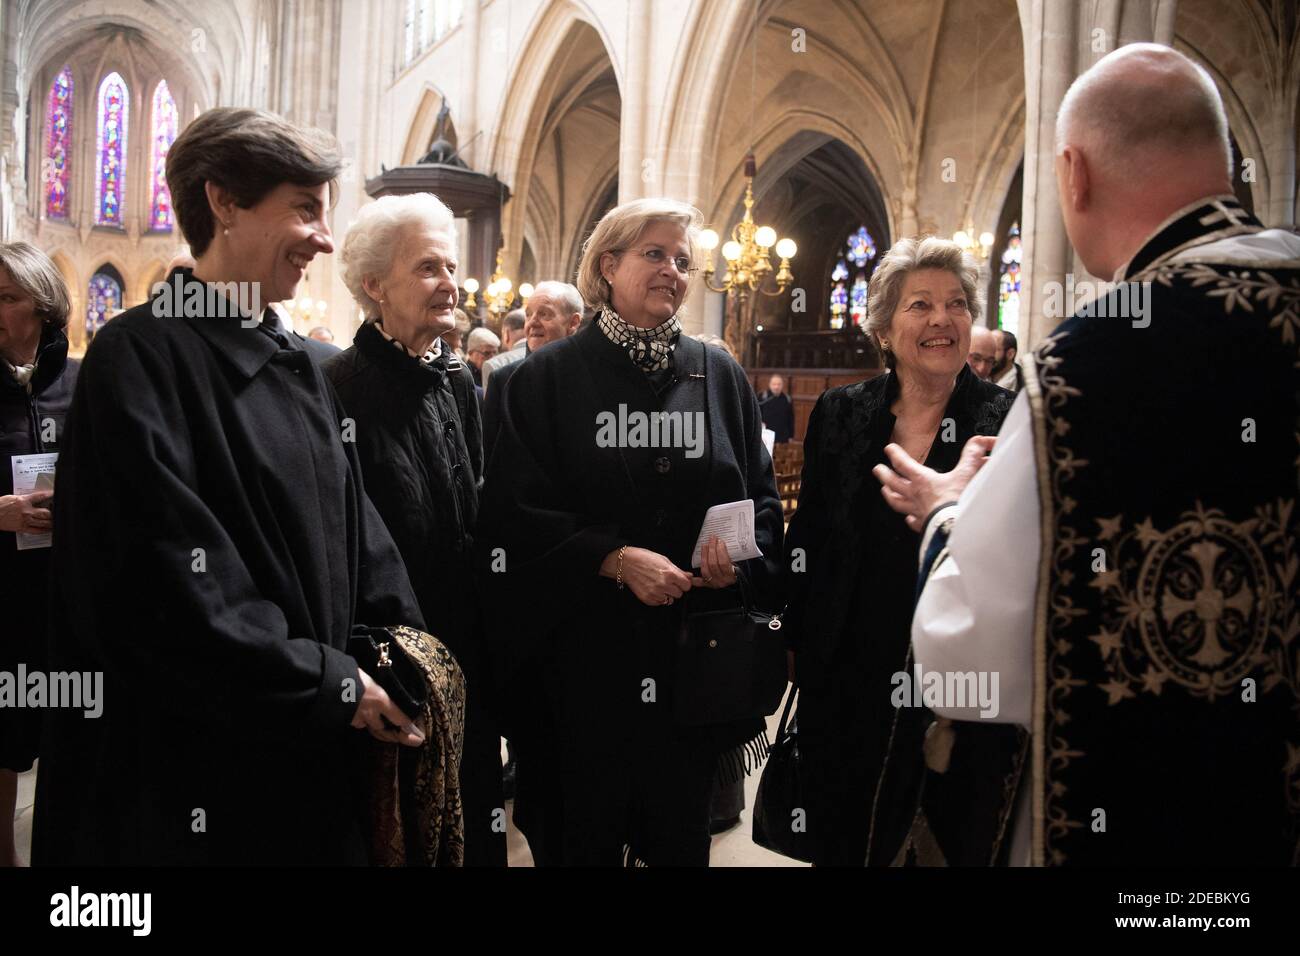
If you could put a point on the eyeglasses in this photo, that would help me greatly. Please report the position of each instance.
(656, 257)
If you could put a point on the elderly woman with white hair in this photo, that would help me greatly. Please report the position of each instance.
(849, 614)
(587, 536)
(419, 438)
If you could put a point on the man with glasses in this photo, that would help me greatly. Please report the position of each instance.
(481, 345)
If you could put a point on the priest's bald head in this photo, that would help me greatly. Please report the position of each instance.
(1139, 136)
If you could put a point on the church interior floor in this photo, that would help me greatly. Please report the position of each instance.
(733, 847)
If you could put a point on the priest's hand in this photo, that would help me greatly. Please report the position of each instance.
(716, 569)
(913, 490)
(374, 707)
(651, 577)
(27, 514)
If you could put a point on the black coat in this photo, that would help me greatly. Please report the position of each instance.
(494, 408)
(25, 420)
(778, 415)
(420, 442)
(215, 550)
(555, 504)
(851, 575)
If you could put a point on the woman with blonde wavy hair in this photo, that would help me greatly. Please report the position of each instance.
(587, 533)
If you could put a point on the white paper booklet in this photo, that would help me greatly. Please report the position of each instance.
(34, 473)
(734, 524)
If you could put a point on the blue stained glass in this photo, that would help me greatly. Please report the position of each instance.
(105, 298)
(862, 248)
(110, 182)
(58, 165)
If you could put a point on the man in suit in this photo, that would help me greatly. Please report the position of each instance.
(553, 312)
(514, 345)
(777, 409)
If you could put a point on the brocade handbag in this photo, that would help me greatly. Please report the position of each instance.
(780, 794)
(731, 664)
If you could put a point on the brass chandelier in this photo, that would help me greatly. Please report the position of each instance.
(747, 253)
(499, 295)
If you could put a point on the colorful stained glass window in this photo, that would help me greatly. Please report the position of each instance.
(110, 179)
(858, 300)
(862, 248)
(849, 279)
(164, 134)
(104, 299)
(839, 295)
(57, 168)
(1009, 283)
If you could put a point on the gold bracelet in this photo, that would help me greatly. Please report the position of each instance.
(618, 570)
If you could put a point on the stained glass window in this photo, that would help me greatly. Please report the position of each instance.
(858, 300)
(104, 299)
(849, 278)
(110, 179)
(1009, 283)
(164, 134)
(862, 249)
(57, 168)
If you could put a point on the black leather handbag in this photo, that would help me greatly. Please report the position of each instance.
(377, 652)
(731, 663)
(780, 813)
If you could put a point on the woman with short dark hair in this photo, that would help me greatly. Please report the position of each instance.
(217, 558)
(36, 383)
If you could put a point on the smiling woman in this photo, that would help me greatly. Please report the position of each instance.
(228, 564)
(420, 440)
(849, 615)
(251, 192)
(598, 529)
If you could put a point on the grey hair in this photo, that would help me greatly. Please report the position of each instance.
(38, 276)
(621, 227)
(568, 296)
(514, 320)
(480, 337)
(907, 256)
(371, 243)
(1117, 118)
(708, 338)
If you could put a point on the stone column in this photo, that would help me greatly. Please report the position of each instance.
(472, 146)
(1050, 40)
(632, 125)
(1061, 40)
(1280, 155)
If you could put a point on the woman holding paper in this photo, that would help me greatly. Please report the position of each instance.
(36, 382)
(615, 442)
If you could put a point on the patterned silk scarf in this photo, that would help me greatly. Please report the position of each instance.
(649, 349)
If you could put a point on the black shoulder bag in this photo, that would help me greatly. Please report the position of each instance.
(780, 793)
(731, 663)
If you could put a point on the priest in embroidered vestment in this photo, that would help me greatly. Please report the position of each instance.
(1143, 624)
